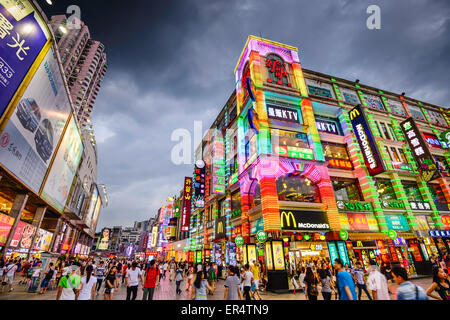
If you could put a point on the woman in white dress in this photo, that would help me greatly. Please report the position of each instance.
(88, 282)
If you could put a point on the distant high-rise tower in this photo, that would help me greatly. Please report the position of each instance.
(84, 62)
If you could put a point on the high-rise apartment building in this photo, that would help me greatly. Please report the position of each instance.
(84, 62)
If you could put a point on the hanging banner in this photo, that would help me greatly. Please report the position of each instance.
(34, 130)
(421, 152)
(366, 141)
(186, 209)
(60, 178)
(23, 35)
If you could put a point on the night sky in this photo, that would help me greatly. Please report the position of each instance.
(171, 63)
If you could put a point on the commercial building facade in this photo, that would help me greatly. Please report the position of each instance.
(48, 191)
(301, 165)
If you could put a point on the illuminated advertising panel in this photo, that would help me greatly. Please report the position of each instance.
(23, 35)
(34, 130)
(92, 203)
(219, 166)
(155, 235)
(43, 240)
(291, 144)
(366, 141)
(6, 224)
(295, 220)
(104, 242)
(421, 152)
(23, 236)
(199, 186)
(186, 208)
(59, 181)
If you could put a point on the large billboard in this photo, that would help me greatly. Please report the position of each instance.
(43, 240)
(23, 236)
(88, 219)
(98, 206)
(104, 242)
(6, 224)
(34, 130)
(23, 35)
(366, 141)
(60, 178)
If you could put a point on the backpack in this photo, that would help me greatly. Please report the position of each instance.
(314, 291)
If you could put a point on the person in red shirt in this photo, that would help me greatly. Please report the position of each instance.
(151, 281)
(124, 272)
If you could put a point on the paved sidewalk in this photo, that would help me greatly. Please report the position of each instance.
(166, 291)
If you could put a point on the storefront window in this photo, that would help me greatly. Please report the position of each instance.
(337, 155)
(385, 189)
(347, 190)
(436, 193)
(412, 191)
(297, 189)
(236, 201)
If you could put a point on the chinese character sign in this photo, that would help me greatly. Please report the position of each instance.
(22, 37)
(186, 209)
(277, 70)
(421, 152)
(199, 187)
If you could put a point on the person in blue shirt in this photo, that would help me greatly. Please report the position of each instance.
(407, 290)
(345, 282)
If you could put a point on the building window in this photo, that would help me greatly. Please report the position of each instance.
(291, 144)
(385, 189)
(442, 165)
(392, 131)
(397, 107)
(236, 201)
(412, 191)
(317, 88)
(436, 193)
(297, 189)
(374, 102)
(384, 131)
(337, 155)
(436, 118)
(347, 189)
(349, 96)
(416, 113)
(398, 158)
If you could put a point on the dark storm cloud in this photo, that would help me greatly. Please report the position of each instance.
(172, 62)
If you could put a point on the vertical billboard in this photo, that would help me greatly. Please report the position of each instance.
(32, 134)
(98, 206)
(199, 186)
(104, 242)
(366, 141)
(93, 201)
(6, 224)
(60, 178)
(186, 209)
(427, 165)
(43, 240)
(23, 35)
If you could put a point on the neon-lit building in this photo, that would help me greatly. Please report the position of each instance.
(323, 168)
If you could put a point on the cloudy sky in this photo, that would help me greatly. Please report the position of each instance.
(171, 63)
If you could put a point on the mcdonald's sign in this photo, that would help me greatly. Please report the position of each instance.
(221, 225)
(294, 220)
(366, 141)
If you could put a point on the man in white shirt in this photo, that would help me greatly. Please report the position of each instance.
(132, 278)
(165, 267)
(10, 271)
(248, 279)
(377, 283)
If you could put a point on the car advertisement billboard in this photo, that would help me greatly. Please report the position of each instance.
(23, 35)
(60, 178)
(34, 130)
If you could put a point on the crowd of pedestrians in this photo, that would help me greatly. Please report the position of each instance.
(76, 279)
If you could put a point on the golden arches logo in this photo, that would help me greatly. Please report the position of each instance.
(354, 113)
(220, 227)
(288, 217)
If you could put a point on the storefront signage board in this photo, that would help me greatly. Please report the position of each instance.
(295, 220)
(397, 222)
(186, 207)
(420, 150)
(366, 141)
